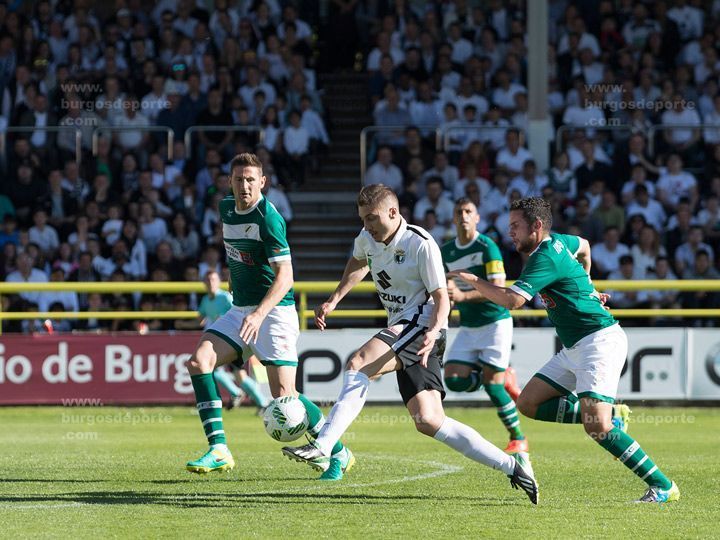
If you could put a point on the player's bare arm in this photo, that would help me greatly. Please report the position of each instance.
(456, 295)
(281, 285)
(440, 313)
(502, 296)
(355, 271)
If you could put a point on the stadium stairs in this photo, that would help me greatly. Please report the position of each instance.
(325, 216)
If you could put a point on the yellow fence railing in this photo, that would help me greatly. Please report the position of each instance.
(304, 288)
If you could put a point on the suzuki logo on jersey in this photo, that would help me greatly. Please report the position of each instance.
(399, 256)
(383, 279)
(397, 299)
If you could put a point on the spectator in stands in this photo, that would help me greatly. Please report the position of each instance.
(709, 219)
(184, 240)
(315, 127)
(637, 178)
(384, 171)
(384, 47)
(443, 169)
(42, 234)
(701, 269)
(609, 212)
(592, 169)
(436, 200)
(470, 176)
(513, 156)
(681, 140)
(413, 148)
(590, 227)
(210, 260)
(296, 142)
(25, 192)
(627, 272)
(27, 273)
(59, 204)
(529, 183)
(215, 115)
(675, 183)
(67, 299)
(606, 255)
(389, 113)
(650, 209)
(662, 298)
(647, 250)
(562, 179)
(685, 255)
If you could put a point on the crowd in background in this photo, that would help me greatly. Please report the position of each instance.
(648, 203)
(129, 212)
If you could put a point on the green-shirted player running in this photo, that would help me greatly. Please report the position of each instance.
(578, 384)
(480, 354)
(262, 320)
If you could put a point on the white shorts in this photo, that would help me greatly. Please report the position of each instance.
(276, 343)
(591, 367)
(487, 345)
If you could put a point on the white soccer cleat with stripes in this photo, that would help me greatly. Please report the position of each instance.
(523, 478)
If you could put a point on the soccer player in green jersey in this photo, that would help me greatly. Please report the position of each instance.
(262, 320)
(480, 354)
(213, 306)
(578, 385)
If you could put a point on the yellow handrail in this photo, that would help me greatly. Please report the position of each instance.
(303, 288)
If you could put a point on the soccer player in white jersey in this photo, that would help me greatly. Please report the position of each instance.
(407, 269)
(578, 384)
(262, 321)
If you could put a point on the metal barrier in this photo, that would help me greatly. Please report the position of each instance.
(377, 129)
(325, 287)
(662, 127)
(47, 129)
(150, 129)
(560, 132)
(196, 129)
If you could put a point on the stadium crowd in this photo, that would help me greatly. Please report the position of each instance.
(646, 200)
(127, 212)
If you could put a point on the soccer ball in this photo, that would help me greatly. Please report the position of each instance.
(286, 419)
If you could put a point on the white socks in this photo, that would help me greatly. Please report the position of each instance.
(349, 404)
(470, 443)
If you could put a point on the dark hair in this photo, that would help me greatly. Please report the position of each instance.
(463, 201)
(625, 259)
(534, 209)
(246, 160)
(700, 252)
(373, 195)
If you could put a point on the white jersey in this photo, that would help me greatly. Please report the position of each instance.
(405, 272)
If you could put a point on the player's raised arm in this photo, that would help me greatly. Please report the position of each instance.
(503, 296)
(355, 271)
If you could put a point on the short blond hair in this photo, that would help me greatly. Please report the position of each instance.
(374, 195)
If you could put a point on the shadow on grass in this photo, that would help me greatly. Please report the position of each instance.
(234, 500)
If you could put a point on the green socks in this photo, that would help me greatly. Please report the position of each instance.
(626, 449)
(562, 409)
(209, 406)
(506, 409)
(316, 420)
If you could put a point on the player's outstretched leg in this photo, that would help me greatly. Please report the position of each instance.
(341, 458)
(494, 382)
(597, 419)
(210, 350)
(427, 412)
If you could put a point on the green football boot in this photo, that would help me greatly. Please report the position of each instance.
(215, 460)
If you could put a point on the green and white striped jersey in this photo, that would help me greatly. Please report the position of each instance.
(254, 238)
(481, 257)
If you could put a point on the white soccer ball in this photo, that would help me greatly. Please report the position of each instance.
(286, 419)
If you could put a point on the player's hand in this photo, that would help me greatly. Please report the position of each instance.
(251, 327)
(455, 294)
(464, 275)
(321, 312)
(604, 297)
(427, 346)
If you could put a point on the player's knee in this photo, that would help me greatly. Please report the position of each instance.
(597, 429)
(357, 361)
(428, 423)
(201, 362)
(526, 405)
(458, 384)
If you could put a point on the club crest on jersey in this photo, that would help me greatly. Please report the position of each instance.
(399, 256)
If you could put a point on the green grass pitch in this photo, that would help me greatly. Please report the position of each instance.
(104, 472)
